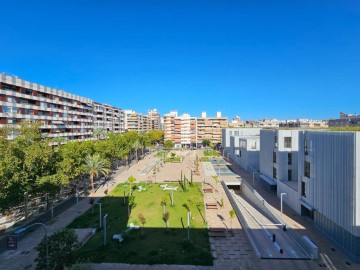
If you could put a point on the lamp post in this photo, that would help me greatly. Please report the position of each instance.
(98, 203)
(105, 229)
(281, 201)
(254, 178)
(18, 231)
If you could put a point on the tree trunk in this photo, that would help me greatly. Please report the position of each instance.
(92, 183)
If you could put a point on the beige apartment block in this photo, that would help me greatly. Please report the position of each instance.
(136, 121)
(210, 128)
(154, 119)
(181, 129)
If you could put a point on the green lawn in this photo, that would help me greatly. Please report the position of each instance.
(161, 154)
(173, 159)
(205, 159)
(158, 245)
(210, 153)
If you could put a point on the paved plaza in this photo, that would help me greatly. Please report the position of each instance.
(231, 248)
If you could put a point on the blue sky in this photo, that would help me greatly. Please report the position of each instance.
(255, 59)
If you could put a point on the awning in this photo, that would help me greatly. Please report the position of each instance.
(268, 180)
(307, 205)
(58, 122)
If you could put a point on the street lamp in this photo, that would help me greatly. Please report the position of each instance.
(105, 229)
(254, 178)
(281, 201)
(18, 231)
(98, 203)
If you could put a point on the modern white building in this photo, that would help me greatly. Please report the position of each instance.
(245, 151)
(236, 132)
(278, 159)
(329, 185)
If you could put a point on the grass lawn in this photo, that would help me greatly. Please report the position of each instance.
(174, 159)
(161, 154)
(211, 153)
(205, 159)
(159, 245)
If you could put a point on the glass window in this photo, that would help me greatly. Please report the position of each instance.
(274, 157)
(289, 175)
(230, 132)
(236, 133)
(303, 189)
(287, 142)
(307, 169)
(274, 173)
(276, 141)
(306, 147)
(289, 159)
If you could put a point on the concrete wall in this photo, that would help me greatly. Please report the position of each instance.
(227, 132)
(292, 197)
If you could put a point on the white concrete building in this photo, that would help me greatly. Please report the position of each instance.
(245, 151)
(236, 132)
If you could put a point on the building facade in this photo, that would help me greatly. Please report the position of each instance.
(210, 128)
(226, 133)
(154, 119)
(345, 120)
(245, 151)
(136, 121)
(180, 129)
(63, 114)
(109, 118)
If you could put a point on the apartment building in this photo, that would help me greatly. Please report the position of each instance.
(226, 134)
(181, 129)
(345, 120)
(245, 151)
(236, 122)
(136, 121)
(109, 118)
(63, 114)
(210, 128)
(329, 185)
(154, 119)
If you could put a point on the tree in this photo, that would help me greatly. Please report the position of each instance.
(131, 180)
(99, 133)
(131, 204)
(166, 217)
(63, 249)
(206, 142)
(95, 165)
(168, 144)
(142, 221)
(156, 136)
(136, 146)
(164, 203)
(232, 215)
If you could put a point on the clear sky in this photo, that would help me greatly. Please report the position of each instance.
(256, 59)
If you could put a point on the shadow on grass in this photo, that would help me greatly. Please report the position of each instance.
(142, 245)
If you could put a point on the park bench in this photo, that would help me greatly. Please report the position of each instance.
(211, 206)
(208, 190)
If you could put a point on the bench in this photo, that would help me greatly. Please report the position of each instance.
(207, 190)
(211, 207)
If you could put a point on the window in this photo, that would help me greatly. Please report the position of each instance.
(236, 133)
(303, 189)
(28, 92)
(240, 153)
(287, 142)
(307, 169)
(276, 141)
(274, 157)
(289, 175)
(306, 147)
(289, 158)
(230, 132)
(274, 173)
(29, 112)
(11, 99)
(43, 104)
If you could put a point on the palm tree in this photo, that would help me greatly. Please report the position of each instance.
(131, 180)
(143, 221)
(95, 166)
(136, 146)
(99, 133)
(164, 203)
(166, 217)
